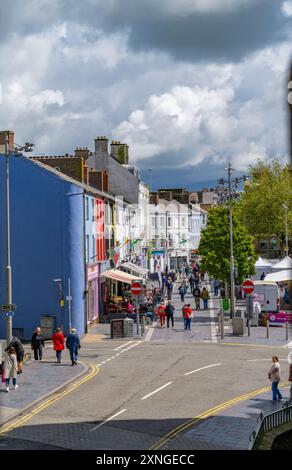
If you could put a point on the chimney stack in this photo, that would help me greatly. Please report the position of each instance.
(120, 152)
(101, 146)
(10, 135)
(82, 152)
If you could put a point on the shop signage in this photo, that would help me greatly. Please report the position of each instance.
(117, 328)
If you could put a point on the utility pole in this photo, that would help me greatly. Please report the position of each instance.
(8, 260)
(229, 169)
(285, 207)
(17, 150)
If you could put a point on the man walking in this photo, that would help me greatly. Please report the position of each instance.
(182, 290)
(205, 297)
(169, 313)
(37, 344)
(197, 297)
(169, 288)
(216, 285)
(73, 344)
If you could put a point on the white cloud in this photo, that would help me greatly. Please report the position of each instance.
(287, 8)
(46, 97)
(205, 6)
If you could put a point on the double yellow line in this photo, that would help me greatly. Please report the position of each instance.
(212, 411)
(93, 370)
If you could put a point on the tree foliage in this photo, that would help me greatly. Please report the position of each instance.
(260, 208)
(214, 246)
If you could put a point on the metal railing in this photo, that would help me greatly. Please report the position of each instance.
(271, 421)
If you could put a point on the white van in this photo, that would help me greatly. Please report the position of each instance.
(268, 295)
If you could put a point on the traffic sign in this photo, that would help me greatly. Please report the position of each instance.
(8, 308)
(248, 286)
(136, 287)
(8, 314)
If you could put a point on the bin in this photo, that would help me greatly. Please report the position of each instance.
(238, 326)
(128, 327)
(117, 328)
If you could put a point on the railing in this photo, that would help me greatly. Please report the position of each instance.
(269, 422)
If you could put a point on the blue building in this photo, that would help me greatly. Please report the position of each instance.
(48, 241)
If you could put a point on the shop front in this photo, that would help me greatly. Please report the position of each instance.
(93, 293)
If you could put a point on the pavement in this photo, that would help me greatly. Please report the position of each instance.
(39, 380)
(170, 389)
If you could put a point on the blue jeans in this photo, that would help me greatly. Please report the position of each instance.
(216, 289)
(205, 303)
(276, 392)
(74, 354)
(187, 323)
(8, 380)
(59, 355)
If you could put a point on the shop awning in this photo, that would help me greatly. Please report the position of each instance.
(281, 276)
(121, 276)
(135, 268)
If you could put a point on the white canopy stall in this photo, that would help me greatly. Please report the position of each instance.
(262, 266)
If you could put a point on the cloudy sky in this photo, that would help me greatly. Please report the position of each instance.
(188, 84)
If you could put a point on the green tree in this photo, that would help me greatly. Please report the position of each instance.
(214, 246)
(260, 208)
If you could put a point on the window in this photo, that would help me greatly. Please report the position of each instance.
(161, 221)
(87, 248)
(93, 249)
(153, 222)
(86, 208)
(183, 221)
(169, 222)
(92, 208)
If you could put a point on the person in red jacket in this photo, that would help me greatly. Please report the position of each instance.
(161, 312)
(188, 316)
(58, 340)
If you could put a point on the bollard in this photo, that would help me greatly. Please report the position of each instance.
(222, 324)
(248, 326)
(287, 333)
(268, 329)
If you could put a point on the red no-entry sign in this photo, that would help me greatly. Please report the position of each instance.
(248, 286)
(136, 288)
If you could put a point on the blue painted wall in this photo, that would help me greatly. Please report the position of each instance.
(47, 242)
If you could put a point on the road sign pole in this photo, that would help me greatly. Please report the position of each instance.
(222, 323)
(69, 304)
(137, 313)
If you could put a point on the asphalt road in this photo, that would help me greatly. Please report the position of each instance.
(113, 410)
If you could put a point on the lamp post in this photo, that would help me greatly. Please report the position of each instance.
(226, 196)
(286, 208)
(8, 152)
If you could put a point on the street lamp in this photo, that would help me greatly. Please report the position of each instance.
(8, 152)
(227, 194)
(286, 208)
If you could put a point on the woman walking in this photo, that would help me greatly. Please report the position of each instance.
(274, 376)
(73, 344)
(10, 368)
(37, 344)
(58, 341)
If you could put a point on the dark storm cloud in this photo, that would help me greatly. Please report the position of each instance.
(215, 34)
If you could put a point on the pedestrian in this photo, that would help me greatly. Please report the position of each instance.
(169, 313)
(162, 314)
(188, 313)
(182, 290)
(197, 297)
(202, 274)
(10, 368)
(58, 341)
(263, 275)
(169, 288)
(197, 278)
(282, 295)
(130, 307)
(73, 344)
(257, 309)
(274, 376)
(205, 297)
(19, 350)
(216, 285)
(37, 344)
(192, 281)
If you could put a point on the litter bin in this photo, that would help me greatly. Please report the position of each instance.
(263, 317)
(239, 313)
(128, 327)
(117, 328)
(238, 326)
